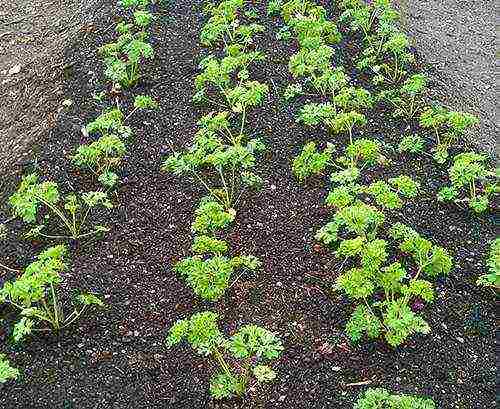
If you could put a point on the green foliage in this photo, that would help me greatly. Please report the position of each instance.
(405, 185)
(338, 122)
(284, 34)
(359, 219)
(145, 102)
(330, 81)
(221, 157)
(208, 245)
(35, 294)
(201, 331)
(408, 99)
(449, 128)
(361, 16)
(492, 278)
(384, 195)
(109, 122)
(101, 158)
(315, 35)
(143, 18)
(311, 161)
(346, 176)
(209, 278)
(314, 30)
(253, 341)
(315, 114)
(217, 74)
(124, 58)
(391, 315)
(274, 7)
(411, 144)
(353, 99)
(7, 372)
(345, 122)
(363, 151)
(223, 25)
(396, 48)
(71, 212)
(264, 374)
(225, 385)
(340, 197)
(134, 3)
(239, 357)
(362, 321)
(211, 216)
(471, 180)
(292, 91)
(218, 157)
(249, 94)
(382, 399)
(431, 260)
(401, 322)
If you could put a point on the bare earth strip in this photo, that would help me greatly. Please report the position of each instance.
(33, 37)
(458, 38)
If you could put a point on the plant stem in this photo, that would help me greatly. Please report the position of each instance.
(222, 363)
(71, 321)
(9, 269)
(55, 304)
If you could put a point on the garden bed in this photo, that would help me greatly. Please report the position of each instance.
(117, 358)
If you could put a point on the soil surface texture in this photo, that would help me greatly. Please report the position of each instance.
(116, 358)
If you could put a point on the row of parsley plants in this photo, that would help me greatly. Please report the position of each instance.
(222, 160)
(35, 293)
(385, 276)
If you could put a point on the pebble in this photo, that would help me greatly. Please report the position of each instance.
(16, 69)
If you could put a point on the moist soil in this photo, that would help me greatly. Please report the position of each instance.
(116, 357)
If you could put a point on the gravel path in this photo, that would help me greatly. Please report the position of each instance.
(34, 35)
(458, 38)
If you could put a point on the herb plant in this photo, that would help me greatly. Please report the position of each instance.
(35, 294)
(471, 182)
(412, 144)
(240, 358)
(223, 25)
(492, 278)
(7, 372)
(448, 126)
(71, 212)
(222, 156)
(407, 100)
(274, 7)
(362, 16)
(390, 315)
(135, 4)
(220, 160)
(311, 161)
(110, 122)
(210, 277)
(292, 91)
(101, 157)
(382, 399)
(124, 58)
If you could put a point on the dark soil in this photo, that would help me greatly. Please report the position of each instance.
(117, 358)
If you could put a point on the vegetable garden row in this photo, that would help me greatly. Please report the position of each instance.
(388, 269)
